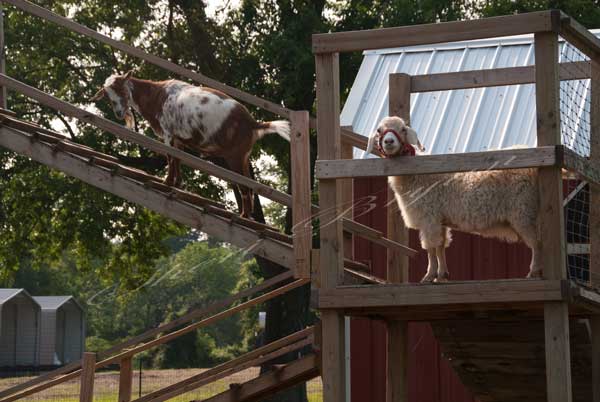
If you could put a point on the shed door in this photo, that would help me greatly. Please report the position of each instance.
(60, 335)
(8, 335)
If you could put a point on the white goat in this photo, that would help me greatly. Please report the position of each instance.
(501, 204)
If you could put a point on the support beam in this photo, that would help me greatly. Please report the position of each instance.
(436, 33)
(332, 247)
(595, 323)
(397, 263)
(86, 391)
(594, 223)
(558, 352)
(125, 379)
(301, 193)
(551, 236)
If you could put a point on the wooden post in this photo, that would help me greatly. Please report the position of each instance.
(2, 56)
(301, 194)
(397, 264)
(125, 379)
(594, 224)
(88, 369)
(551, 233)
(332, 248)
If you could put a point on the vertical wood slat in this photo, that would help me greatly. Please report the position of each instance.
(397, 263)
(331, 248)
(2, 56)
(551, 234)
(125, 379)
(88, 368)
(595, 321)
(594, 224)
(301, 194)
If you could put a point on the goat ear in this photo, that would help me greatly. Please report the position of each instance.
(99, 95)
(128, 75)
(411, 136)
(370, 145)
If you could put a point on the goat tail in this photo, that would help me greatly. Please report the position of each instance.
(281, 127)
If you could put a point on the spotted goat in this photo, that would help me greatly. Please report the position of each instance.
(189, 117)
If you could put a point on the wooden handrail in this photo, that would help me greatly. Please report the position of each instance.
(449, 163)
(251, 359)
(145, 141)
(579, 36)
(493, 77)
(428, 34)
(355, 139)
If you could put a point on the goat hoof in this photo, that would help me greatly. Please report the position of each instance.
(429, 278)
(535, 274)
(445, 277)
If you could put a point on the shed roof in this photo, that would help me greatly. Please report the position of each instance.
(460, 120)
(55, 302)
(9, 294)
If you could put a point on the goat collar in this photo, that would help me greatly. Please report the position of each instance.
(407, 149)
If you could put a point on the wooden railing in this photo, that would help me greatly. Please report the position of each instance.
(549, 158)
(124, 352)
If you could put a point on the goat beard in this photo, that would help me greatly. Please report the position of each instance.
(129, 120)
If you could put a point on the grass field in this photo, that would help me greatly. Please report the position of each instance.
(106, 386)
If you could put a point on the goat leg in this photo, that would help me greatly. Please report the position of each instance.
(432, 266)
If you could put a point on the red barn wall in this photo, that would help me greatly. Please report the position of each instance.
(430, 378)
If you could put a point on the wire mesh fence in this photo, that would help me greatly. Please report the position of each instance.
(146, 381)
(575, 119)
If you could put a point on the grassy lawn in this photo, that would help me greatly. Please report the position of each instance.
(106, 386)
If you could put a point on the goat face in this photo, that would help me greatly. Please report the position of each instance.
(396, 137)
(116, 88)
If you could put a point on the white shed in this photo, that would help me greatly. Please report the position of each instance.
(19, 329)
(63, 330)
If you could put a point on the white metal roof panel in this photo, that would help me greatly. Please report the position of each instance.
(462, 120)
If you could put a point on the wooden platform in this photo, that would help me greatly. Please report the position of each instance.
(470, 299)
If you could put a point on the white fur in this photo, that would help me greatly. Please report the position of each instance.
(184, 112)
(281, 127)
(497, 203)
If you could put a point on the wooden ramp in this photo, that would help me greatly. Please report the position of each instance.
(504, 360)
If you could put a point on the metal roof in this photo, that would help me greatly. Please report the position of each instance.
(462, 120)
(8, 294)
(54, 302)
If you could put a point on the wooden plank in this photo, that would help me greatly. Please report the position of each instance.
(558, 352)
(301, 193)
(331, 250)
(595, 324)
(435, 33)
(398, 295)
(578, 35)
(145, 141)
(551, 233)
(184, 213)
(588, 169)
(397, 263)
(493, 77)
(251, 359)
(125, 379)
(594, 161)
(88, 370)
(377, 237)
(270, 383)
(430, 164)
